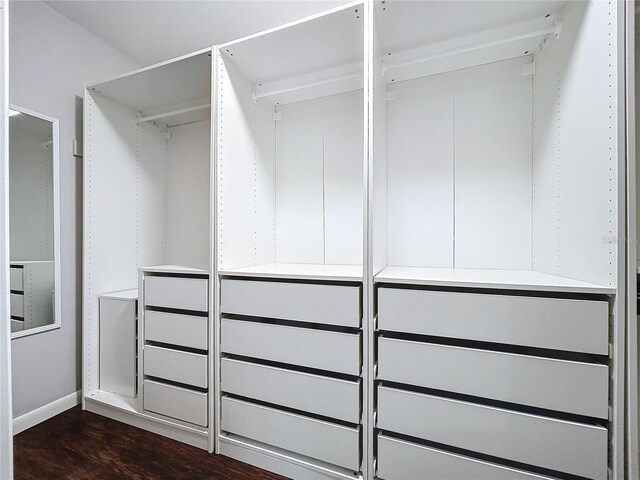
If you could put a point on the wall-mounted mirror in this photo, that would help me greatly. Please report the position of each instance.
(34, 231)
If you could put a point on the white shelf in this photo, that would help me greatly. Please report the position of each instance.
(174, 269)
(114, 400)
(122, 295)
(485, 278)
(299, 271)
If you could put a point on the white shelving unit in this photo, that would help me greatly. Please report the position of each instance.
(497, 196)
(147, 202)
(290, 168)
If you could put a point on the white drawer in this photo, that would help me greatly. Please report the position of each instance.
(400, 460)
(17, 305)
(325, 396)
(314, 303)
(332, 351)
(176, 329)
(555, 323)
(184, 293)
(182, 367)
(175, 402)
(564, 446)
(573, 387)
(17, 325)
(16, 279)
(320, 440)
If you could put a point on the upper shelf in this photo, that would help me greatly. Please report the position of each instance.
(299, 271)
(486, 278)
(179, 269)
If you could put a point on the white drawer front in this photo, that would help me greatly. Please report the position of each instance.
(16, 279)
(183, 367)
(175, 329)
(555, 323)
(17, 305)
(175, 402)
(183, 293)
(400, 460)
(17, 325)
(559, 445)
(323, 441)
(330, 304)
(325, 396)
(573, 387)
(332, 351)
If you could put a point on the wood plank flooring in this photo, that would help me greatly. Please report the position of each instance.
(79, 445)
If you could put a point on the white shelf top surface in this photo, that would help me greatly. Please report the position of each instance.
(114, 400)
(487, 278)
(131, 294)
(299, 271)
(27, 262)
(174, 269)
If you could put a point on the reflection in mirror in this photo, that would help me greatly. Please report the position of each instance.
(33, 222)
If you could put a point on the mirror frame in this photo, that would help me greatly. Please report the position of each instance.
(55, 134)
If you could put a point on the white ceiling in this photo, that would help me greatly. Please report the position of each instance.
(153, 31)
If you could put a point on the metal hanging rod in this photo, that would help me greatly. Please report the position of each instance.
(348, 76)
(555, 28)
(150, 118)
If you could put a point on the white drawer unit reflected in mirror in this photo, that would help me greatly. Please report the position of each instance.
(33, 222)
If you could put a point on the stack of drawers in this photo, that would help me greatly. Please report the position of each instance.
(491, 386)
(175, 350)
(291, 367)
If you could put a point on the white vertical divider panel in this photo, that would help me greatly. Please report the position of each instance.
(492, 118)
(6, 416)
(343, 187)
(546, 175)
(420, 173)
(151, 196)
(378, 153)
(235, 144)
(188, 219)
(300, 222)
(214, 408)
(632, 421)
(265, 178)
(110, 205)
(588, 143)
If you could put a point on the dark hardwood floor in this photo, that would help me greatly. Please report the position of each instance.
(82, 445)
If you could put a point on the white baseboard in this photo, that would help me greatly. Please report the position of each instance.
(39, 415)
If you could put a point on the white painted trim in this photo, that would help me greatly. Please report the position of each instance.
(50, 410)
(6, 425)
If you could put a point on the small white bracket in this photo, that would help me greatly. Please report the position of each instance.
(558, 28)
(277, 116)
(167, 135)
(77, 148)
(391, 95)
(528, 68)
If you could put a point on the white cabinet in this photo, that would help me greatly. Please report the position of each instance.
(118, 342)
(32, 292)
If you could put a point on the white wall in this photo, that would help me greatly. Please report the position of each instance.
(51, 58)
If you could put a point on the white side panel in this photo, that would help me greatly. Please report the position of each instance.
(492, 111)
(420, 173)
(343, 190)
(300, 219)
(378, 228)
(545, 160)
(187, 229)
(400, 460)
(567, 447)
(151, 196)
(109, 206)
(588, 149)
(236, 168)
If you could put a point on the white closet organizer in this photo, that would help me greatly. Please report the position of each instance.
(32, 293)
(290, 233)
(147, 202)
(496, 193)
